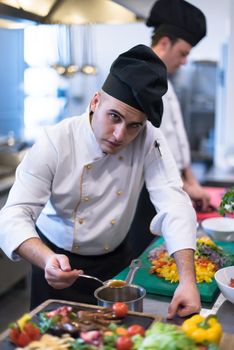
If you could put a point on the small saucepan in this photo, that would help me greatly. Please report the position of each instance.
(130, 294)
(126, 292)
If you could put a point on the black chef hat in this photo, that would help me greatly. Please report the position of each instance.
(139, 78)
(180, 18)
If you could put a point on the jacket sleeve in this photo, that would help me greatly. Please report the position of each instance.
(28, 195)
(175, 218)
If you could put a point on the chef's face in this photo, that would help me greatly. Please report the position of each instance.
(114, 123)
(176, 54)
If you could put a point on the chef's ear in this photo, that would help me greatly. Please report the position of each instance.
(95, 101)
(165, 43)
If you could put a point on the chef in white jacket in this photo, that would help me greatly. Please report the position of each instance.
(178, 26)
(76, 190)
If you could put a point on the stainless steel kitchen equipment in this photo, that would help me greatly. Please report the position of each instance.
(134, 266)
(129, 293)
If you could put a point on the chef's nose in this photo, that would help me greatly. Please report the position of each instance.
(119, 132)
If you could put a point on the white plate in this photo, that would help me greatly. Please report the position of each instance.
(219, 228)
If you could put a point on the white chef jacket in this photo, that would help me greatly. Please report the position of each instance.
(173, 129)
(84, 200)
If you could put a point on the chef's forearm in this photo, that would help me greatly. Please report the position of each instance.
(188, 176)
(185, 265)
(35, 251)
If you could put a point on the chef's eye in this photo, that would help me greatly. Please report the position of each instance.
(135, 126)
(115, 117)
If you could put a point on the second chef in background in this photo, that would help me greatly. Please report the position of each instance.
(178, 26)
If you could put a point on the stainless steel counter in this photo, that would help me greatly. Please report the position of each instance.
(222, 308)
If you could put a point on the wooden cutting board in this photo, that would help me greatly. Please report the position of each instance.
(227, 342)
(132, 317)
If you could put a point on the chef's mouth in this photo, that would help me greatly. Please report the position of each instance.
(114, 144)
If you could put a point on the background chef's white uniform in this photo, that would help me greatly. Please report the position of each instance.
(84, 201)
(173, 129)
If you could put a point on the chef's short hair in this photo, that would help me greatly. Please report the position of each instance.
(157, 35)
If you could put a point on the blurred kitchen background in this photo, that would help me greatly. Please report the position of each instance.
(55, 54)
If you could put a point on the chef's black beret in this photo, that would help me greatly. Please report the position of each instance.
(180, 18)
(139, 78)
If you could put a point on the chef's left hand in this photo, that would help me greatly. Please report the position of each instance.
(186, 301)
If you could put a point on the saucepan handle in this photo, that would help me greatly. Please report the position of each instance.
(134, 266)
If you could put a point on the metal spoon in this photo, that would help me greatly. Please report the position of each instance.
(93, 278)
(134, 266)
(86, 276)
(110, 283)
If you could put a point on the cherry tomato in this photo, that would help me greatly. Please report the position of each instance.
(124, 343)
(23, 339)
(32, 331)
(14, 334)
(120, 309)
(136, 329)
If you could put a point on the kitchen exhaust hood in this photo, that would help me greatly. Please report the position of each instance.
(23, 12)
(14, 17)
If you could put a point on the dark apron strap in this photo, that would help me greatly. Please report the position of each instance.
(139, 234)
(102, 266)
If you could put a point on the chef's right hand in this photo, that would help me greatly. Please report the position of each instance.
(58, 272)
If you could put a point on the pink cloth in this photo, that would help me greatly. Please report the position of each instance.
(216, 194)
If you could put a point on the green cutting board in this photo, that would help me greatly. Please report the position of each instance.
(157, 285)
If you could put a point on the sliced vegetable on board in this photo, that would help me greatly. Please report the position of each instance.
(209, 257)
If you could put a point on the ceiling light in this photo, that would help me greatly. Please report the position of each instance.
(66, 71)
(88, 69)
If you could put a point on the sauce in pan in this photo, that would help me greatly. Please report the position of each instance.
(116, 283)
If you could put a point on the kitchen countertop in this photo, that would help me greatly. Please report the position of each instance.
(222, 308)
(158, 307)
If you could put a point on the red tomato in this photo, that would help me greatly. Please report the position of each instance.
(136, 329)
(23, 339)
(14, 335)
(124, 343)
(120, 309)
(32, 331)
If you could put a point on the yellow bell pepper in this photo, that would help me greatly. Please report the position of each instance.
(202, 329)
(23, 320)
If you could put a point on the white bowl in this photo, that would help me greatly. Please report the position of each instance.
(219, 228)
(223, 278)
